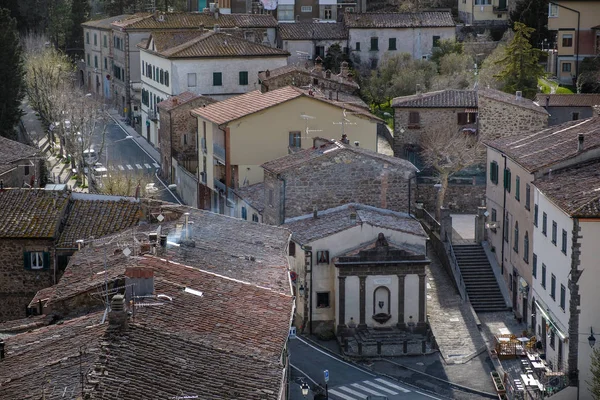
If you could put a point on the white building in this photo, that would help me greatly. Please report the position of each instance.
(372, 35)
(308, 40)
(369, 267)
(208, 63)
(566, 200)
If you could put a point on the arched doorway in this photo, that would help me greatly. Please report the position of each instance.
(382, 304)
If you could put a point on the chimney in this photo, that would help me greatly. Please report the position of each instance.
(1, 349)
(315, 212)
(117, 317)
(353, 217)
(216, 14)
(547, 101)
(519, 95)
(187, 226)
(267, 73)
(356, 143)
(139, 281)
(163, 241)
(580, 139)
(345, 139)
(344, 69)
(216, 27)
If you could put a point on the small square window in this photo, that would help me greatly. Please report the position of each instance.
(322, 299)
(37, 260)
(392, 44)
(323, 257)
(254, 217)
(414, 119)
(575, 116)
(374, 44)
(217, 79)
(567, 40)
(566, 67)
(436, 41)
(306, 9)
(357, 47)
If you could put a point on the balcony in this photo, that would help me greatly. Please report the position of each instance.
(219, 152)
(152, 115)
(222, 189)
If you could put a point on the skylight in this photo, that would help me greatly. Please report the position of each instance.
(193, 291)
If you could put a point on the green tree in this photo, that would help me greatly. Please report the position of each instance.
(445, 47)
(588, 80)
(80, 13)
(334, 58)
(533, 13)
(520, 67)
(12, 73)
(595, 370)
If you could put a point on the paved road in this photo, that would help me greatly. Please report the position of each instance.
(124, 155)
(346, 381)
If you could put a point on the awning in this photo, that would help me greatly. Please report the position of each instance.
(551, 321)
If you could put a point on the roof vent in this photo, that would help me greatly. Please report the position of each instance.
(519, 95)
(217, 27)
(117, 317)
(356, 143)
(139, 281)
(267, 73)
(580, 139)
(161, 18)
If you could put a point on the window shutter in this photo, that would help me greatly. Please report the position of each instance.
(27, 260)
(292, 249)
(46, 260)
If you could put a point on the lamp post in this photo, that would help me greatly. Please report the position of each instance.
(304, 387)
(591, 338)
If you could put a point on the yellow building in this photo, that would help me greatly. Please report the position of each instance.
(239, 134)
(483, 12)
(577, 27)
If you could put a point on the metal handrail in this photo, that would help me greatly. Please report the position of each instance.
(431, 221)
(458, 278)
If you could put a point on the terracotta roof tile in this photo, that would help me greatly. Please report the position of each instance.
(306, 228)
(31, 213)
(568, 100)
(183, 98)
(312, 31)
(440, 99)
(294, 69)
(575, 190)
(164, 40)
(547, 147)
(220, 44)
(399, 20)
(11, 150)
(307, 156)
(179, 20)
(97, 218)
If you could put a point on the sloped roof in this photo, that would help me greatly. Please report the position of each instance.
(175, 101)
(549, 146)
(187, 20)
(31, 213)
(427, 19)
(11, 150)
(568, 100)
(294, 69)
(254, 195)
(164, 40)
(313, 31)
(217, 44)
(249, 103)
(575, 190)
(449, 98)
(307, 156)
(97, 218)
(306, 228)
(504, 97)
(105, 23)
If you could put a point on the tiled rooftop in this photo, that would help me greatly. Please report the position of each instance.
(31, 213)
(11, 150)
(291, 69)
(568, 100)
(511, 99)
(313, 31)
(181, 99)
(427, 19)
(306, 156)
(442, 98)
(549, 146)
(164, 40)
(249, 103)
(181, 20)
(254, 195)
(219, 44)
(104, 23)
(97, 218)
(576, 190)
(306, 228)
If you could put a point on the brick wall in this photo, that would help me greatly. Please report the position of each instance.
(335, 179)
(500, 119)
(18, 285)
(459, 198)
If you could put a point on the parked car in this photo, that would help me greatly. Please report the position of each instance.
(90, 157)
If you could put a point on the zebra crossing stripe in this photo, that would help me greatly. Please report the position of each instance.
(156, 165)
(392, 385)
(129, 167)
(139, 166)
(341, 395)
(147, 166)
(379, 387)
(121, 168)
(354, 392)
(366, 389)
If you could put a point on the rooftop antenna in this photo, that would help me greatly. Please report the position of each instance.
(307, 118)
(345, 121)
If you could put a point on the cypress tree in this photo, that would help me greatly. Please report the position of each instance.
(12, 72)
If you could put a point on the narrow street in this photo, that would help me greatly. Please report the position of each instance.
(346, 381)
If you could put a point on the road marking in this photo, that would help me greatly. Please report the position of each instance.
(392, 385)
(147, 166)
(156, 165)
(129, 166)
(121, 168)
(306, 375)
(335, 358)
(354, 392)
(379, 387)
(342, 395)
(139, 166)
(366, 389)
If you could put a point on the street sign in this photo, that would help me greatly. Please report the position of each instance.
(326, 373)
(292, 332)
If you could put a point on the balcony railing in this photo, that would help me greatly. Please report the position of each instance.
(219, 151)
(152, 115)
(222, 188)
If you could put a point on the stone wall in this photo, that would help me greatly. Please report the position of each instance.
(17, 284)
(303, 78)
(459, 198)
(338, 178)
(500, 119)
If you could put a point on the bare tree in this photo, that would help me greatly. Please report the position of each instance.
(121, 183)
(448, 152)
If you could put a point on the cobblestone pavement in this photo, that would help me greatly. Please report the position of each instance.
(452, 321)
(496, 323)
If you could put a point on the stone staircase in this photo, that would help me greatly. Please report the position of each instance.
(480, 282)
(391, 336)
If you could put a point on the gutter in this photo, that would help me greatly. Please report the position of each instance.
(504, 214)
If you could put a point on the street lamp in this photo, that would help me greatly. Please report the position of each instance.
(591, 338)
(305, 389)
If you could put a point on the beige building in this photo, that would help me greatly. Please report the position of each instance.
(577, 27)
(484, 12)
(239, 134)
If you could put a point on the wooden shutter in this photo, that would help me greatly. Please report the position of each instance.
(46, 258)
(292, 251)
(27, 259)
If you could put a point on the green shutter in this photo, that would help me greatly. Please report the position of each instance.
(492, 171)
(507, 180)
(27, 260)
(46, 260)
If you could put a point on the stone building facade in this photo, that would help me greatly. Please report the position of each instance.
(330, 174)
(178, 132)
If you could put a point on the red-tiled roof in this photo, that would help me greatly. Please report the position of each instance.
(549, 146)
(180, 20)
(294, 69)
(181, 99)
(568, 100)
(440, 99)
(427, 19)
(31, 213)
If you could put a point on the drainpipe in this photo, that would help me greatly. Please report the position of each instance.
(503, 215)
(308, 254)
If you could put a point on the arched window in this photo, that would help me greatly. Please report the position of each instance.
(516, 246)
(526, 248)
